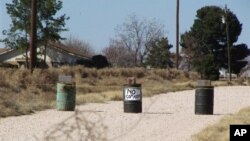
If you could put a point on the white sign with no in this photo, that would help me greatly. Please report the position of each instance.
(132, 94)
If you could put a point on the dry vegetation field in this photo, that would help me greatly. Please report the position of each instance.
(23, 93)
(220, 130)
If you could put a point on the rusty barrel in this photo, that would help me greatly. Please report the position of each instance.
(132, 98)
(66, 96)
(204, 99)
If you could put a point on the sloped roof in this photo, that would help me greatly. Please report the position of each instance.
(247, 58)
(5, 50)
(2, 50)
(59, 46)
(69, 50)
(245, 72)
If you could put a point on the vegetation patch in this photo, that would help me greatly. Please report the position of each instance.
(22, 92)
(220, 130)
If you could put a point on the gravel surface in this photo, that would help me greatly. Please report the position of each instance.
(165, 117)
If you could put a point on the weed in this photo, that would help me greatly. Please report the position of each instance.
(22, 92)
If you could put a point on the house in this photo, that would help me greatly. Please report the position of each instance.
(57, 54)
(8, 57)
(225, 75)
(245, 71)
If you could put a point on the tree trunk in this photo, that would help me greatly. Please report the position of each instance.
(45, 52)
(26, 57)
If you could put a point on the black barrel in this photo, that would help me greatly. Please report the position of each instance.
(204, 100)
(132, 98)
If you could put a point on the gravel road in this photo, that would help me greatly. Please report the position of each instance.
(165, 117)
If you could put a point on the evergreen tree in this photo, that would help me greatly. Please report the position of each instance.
(159, 54)
(48, 26)
(207, 40)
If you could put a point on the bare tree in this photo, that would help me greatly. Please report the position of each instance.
(118, 55)
(136, 34)
(80, 45)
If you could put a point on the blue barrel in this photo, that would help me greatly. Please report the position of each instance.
(132, 98)
(66, 96)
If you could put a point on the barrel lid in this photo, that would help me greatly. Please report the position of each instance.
(132, 85)
(203, 83)
(67, 79)
(204, 87)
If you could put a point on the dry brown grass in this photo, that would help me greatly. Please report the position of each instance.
(23, 93)
(220, 130)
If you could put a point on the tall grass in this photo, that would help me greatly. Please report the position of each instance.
(22, 92)
(220, 130)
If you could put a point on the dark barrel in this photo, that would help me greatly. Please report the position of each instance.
(66, 96)
(204, 100)
(132, 98)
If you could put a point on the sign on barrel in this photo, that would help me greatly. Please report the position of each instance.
(132, 94)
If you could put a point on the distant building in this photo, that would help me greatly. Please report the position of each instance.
(57, 54)
(245, 71)
(223, 73)
(184, 65)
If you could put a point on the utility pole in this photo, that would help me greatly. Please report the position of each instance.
(228, 43)
(33, 36)
(177, 35)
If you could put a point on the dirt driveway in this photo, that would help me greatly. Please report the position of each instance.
(165, 117)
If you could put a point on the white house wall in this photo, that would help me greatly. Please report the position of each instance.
(54, 56)
(14, 54)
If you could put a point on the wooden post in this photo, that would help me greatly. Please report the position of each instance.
(177, 34)
(203, 83)
(228, 44)
(33, 36)
(131, 80)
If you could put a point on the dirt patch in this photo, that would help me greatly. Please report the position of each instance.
(165, 117)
